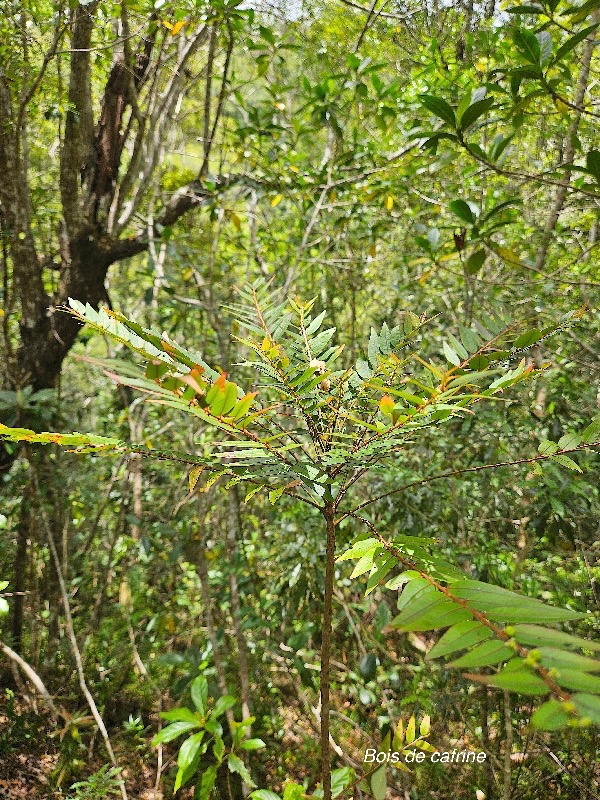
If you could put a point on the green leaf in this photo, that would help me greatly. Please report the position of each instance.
(379, 784)
(545, 42)
(565, 461)
(379, 572)
(359, 549)
(554, 657)
(199, 691)
(189, 750)
(180, 715)
(173, 731)
(450, 354)
(253, 744)
(264, 794)
(485, 654)
(459, 637)
(275, 494)
(439, 107)
(411, 730)
(207, 782)
(522, 681)
(592, 162)
(236, 764)
(588, 706)
(474, 112)
(528, 44)
(573, 41)
(340, 779)
(293, 791)
(592, 433)
(536, 635)
(223, 704)
(550, 716)
(473, 264)
(527, 339)
(578, 681)
(569, 441)
(368, 666)
(502, 605)
(463, 210)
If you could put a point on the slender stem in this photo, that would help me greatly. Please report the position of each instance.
(328, 513)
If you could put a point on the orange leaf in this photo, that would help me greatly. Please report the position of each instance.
(386, 405)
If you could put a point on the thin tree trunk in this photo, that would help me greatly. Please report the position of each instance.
(508, 743)
(328, 513)
(20, 571)
(236, 610)
(569, 146)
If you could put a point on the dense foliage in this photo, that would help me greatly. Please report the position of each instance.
(382, 223)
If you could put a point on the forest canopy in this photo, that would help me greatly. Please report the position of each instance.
(299, 403)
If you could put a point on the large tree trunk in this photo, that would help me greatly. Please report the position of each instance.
(101, 192)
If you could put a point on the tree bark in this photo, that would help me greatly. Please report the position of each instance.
(325, 683)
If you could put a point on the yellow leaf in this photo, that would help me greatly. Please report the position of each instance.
(293, 168)
(386, 405)
(373, 250)
(177, 27)
(561, 106)
(187, 274)
(508, 254)
(398, 739)
(236, 220)
(410, 730)
(1, 312)
(389, 202)
(193, 477)
(425, 726)
(424, 276)
(167, 24)
(280, 106)
(276, 200)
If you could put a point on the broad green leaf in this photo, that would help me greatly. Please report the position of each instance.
(180, 715)
(474, 112)
(528, 44)
(340, 778)
(550, 716)
(458, 637)
(522, 681)
(189, 749)
(484, 655)
(474, 263)
(572, 42)
(264, 794)
(253, 744)
(588, 705)
(359, 549)
(223, 704)
(463, 210)
(207, 782)
(450, 354)
(236, 764)
(379, 784)
(173, 731)
(578, 681)
(563, 659)
(439, 107)
(536, 635)
(502, 605)
(199, 691)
